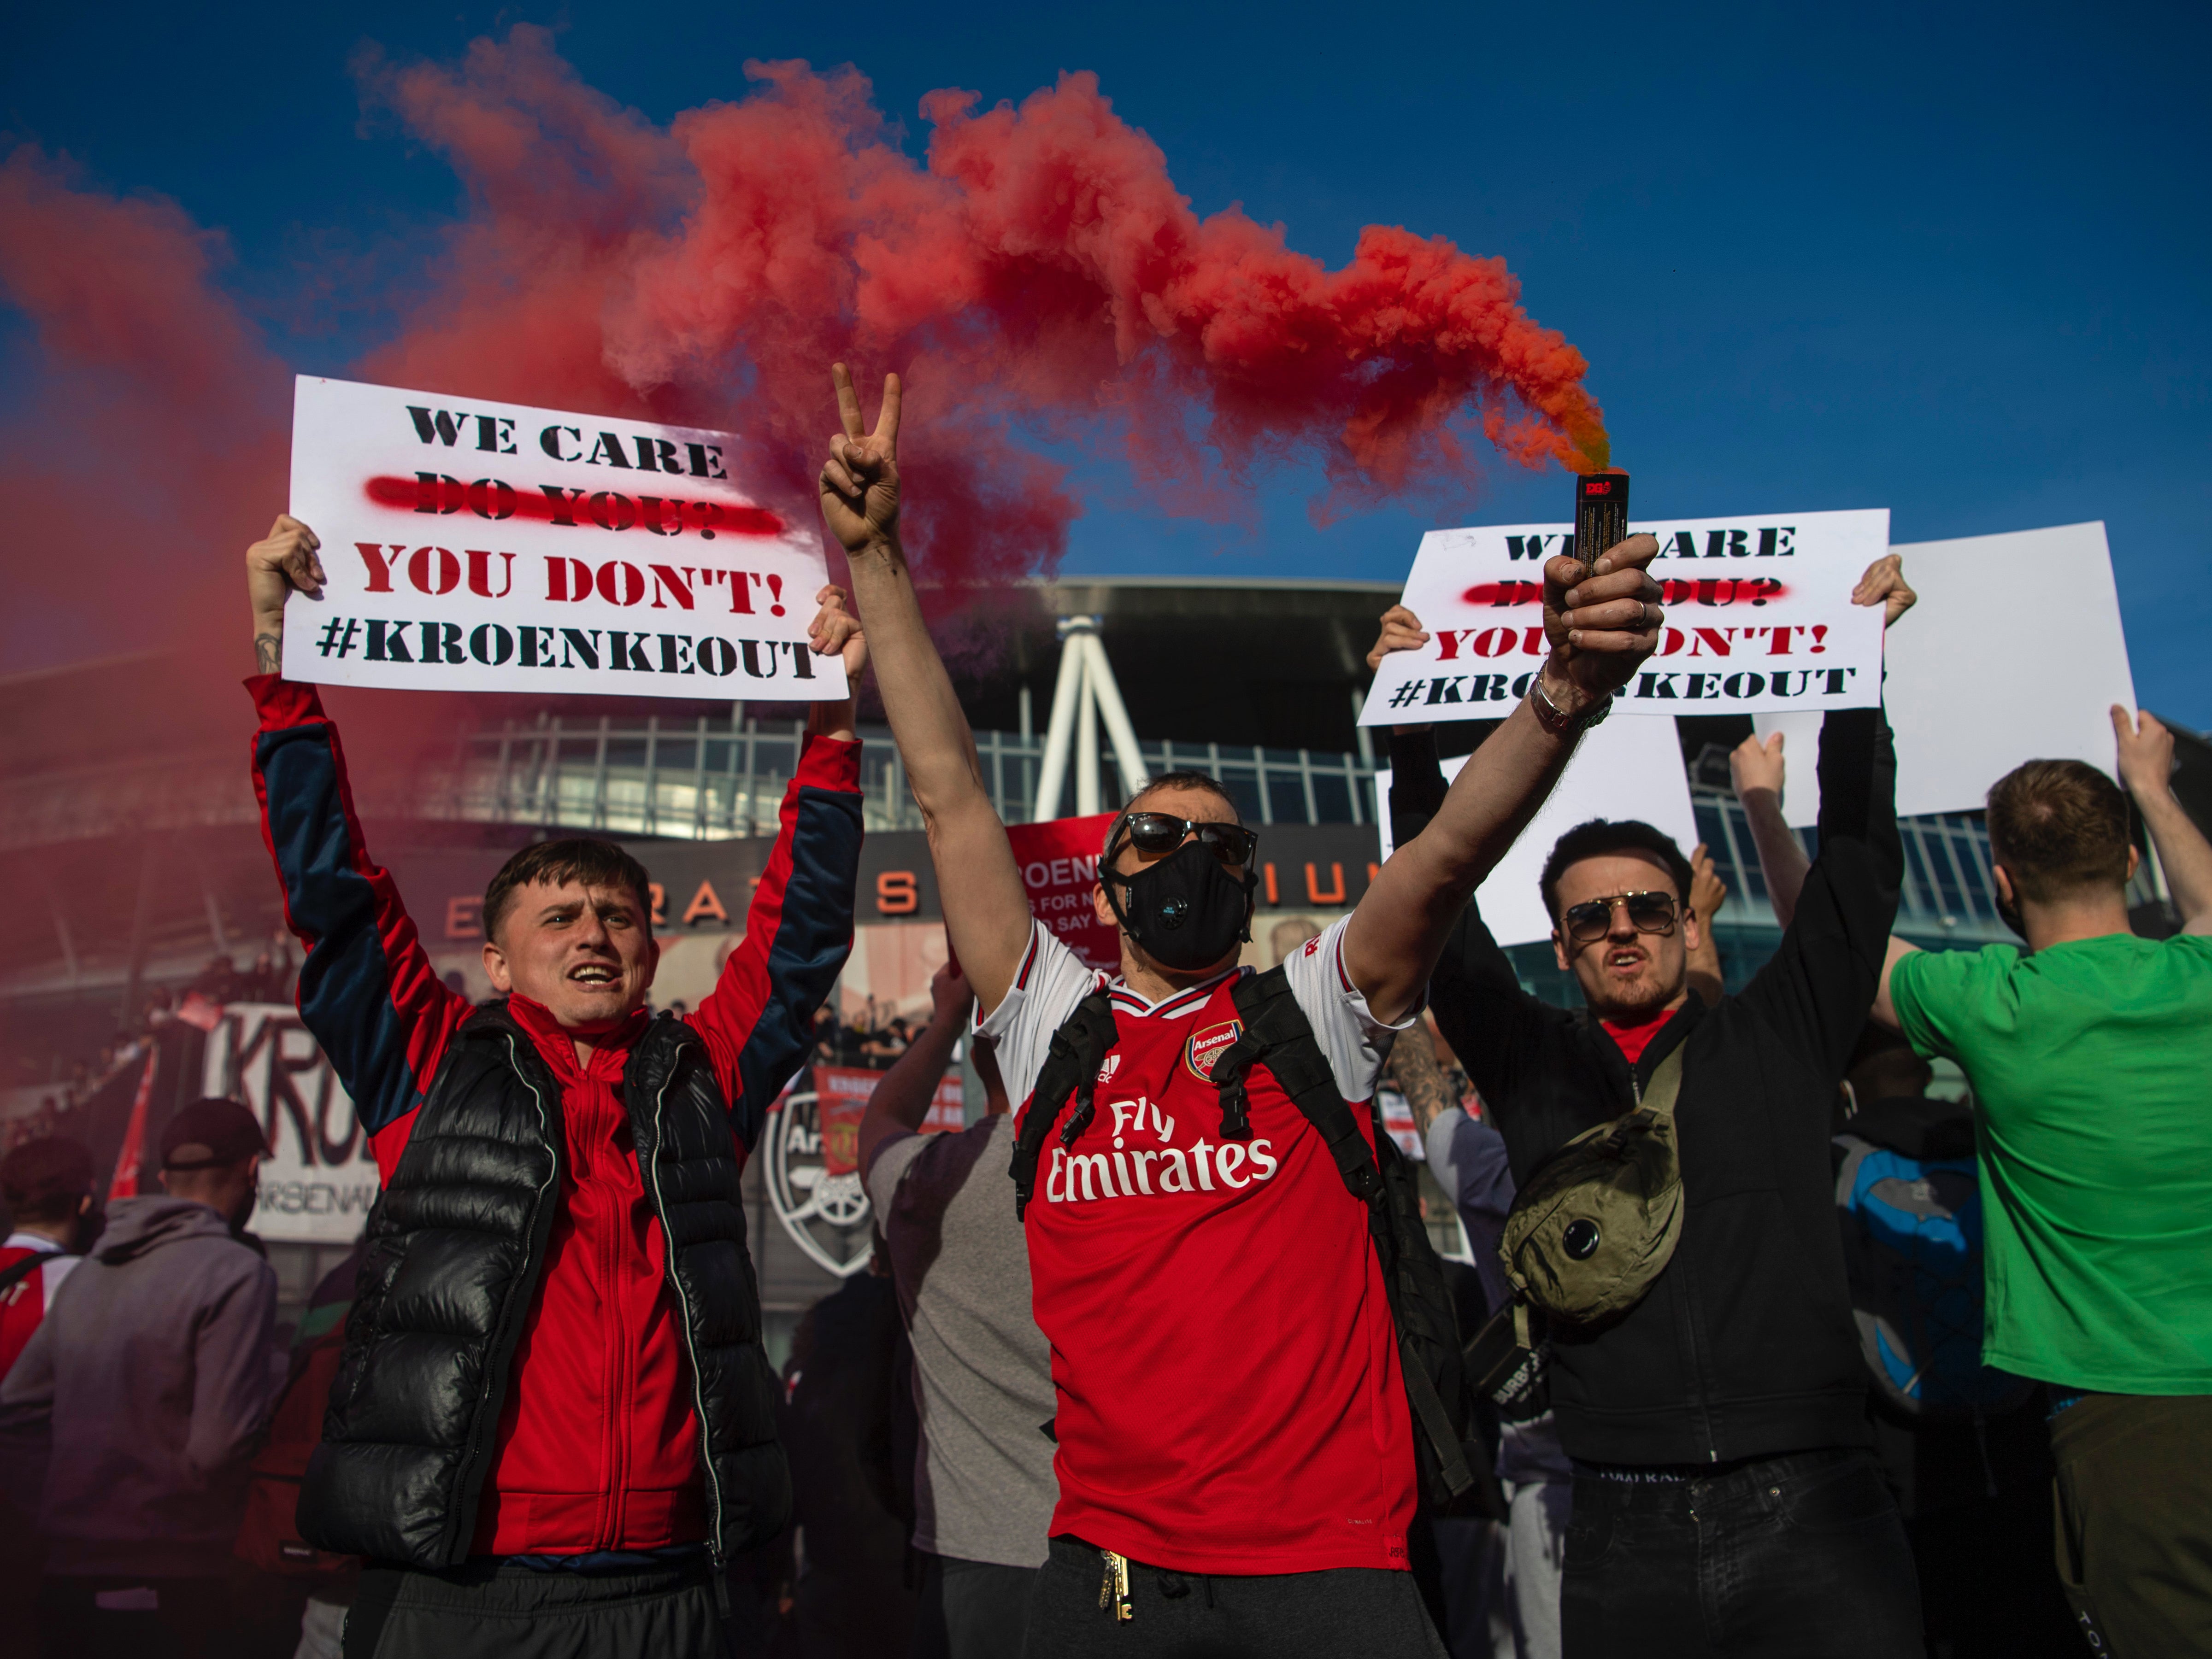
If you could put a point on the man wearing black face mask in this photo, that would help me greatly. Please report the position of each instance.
(1235, 1453)
(156, 1366)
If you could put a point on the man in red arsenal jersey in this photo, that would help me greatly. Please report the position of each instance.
(1236, 1458)
(555, 1416)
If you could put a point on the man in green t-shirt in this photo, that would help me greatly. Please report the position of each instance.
(2090, 1054)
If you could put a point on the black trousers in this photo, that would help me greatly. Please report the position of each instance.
(490, 1610)
(1803, 1555)
(970, 1609)
(1371, 1612)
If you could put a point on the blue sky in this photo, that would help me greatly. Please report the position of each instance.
(1950, 261)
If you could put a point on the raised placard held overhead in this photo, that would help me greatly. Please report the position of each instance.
(474, 545)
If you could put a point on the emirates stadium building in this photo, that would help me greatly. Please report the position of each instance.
(152, 965)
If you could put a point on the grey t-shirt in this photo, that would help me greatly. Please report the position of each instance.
(984, 1489)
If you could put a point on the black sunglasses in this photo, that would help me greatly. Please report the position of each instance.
(1157, 832)
(1648, 912)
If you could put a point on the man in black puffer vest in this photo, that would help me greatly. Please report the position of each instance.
(553, 1418)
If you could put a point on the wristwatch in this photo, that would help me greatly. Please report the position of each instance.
(1555, 719)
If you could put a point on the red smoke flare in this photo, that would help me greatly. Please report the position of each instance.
(1038, 273)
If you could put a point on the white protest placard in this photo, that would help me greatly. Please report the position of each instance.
(1759, 616)
(1800, 761)
(2014, 652)
(479, 546)
(1621, 769)
(322, 1183)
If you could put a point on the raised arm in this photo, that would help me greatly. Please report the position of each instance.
(366, 989)
(900, 1100)
(758, 1020)
(1419, 1075)
(1831, 965)
(1757, 769)
(2147, 768)
(987, 911)
(1708, 892)
(1602, 624)
(1475, 996)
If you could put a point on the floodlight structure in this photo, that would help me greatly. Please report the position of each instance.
(1085, 693)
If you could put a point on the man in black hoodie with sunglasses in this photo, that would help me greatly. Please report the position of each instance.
(1726, 1497)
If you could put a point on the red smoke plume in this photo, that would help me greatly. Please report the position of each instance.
(1037, 273)
(149, 436)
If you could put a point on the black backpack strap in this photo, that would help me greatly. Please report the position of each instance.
(16, 1272)
(1276, 1030)
(1070, 1067)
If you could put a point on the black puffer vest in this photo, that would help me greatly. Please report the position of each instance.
(456, 1244)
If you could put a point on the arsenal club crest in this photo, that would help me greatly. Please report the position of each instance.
(1207, 1046)
(814, 1177)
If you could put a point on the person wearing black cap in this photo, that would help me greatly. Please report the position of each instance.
(156, 1369)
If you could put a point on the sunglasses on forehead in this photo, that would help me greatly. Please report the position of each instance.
(1648, 912)
(1156, 833)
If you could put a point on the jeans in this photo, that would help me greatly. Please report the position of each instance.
(1802, 1554)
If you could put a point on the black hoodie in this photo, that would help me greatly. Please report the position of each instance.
(1744, 1346)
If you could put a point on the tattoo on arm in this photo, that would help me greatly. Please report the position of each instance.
(268, 652)
(1414, 1063)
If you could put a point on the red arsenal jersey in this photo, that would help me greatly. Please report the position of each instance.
(1228, 1397)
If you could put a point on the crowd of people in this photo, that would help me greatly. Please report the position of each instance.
(78, 1079)
(1762, 1349)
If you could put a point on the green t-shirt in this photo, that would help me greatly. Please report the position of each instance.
(2092, 1062)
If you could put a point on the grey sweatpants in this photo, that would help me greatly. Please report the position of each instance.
(499, 1610)
(1369, 1611)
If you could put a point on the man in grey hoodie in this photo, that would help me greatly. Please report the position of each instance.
(155, 1364)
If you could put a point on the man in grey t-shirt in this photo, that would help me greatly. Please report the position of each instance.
(984, 1489)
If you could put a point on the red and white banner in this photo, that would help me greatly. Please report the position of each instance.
(472, 545)
(1758, 618)
(841, 1095)
(1059, 862)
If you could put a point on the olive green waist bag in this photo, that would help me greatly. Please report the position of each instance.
(1597, 1222)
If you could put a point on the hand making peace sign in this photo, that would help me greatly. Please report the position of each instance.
(859, 480)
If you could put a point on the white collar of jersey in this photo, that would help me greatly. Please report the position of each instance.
(1127, 1001)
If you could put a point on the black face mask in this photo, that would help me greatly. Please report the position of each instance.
(1186, 912)
(2008, 915)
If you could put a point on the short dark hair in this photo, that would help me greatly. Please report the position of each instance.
(1183, 777)
(583, 858)
(46, 1180)
(1601, 836)
(2060, 828)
